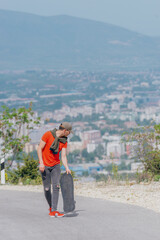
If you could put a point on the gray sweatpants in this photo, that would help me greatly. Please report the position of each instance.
(51, 177)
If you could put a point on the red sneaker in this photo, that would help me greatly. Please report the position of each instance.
(50, 210)
(56, 214)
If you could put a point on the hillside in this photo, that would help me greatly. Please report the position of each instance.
(30, 41)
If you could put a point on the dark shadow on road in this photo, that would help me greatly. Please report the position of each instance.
(73, 214)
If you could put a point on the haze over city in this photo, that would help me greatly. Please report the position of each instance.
(142, 16)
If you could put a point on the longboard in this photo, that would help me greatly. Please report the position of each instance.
(67, 189)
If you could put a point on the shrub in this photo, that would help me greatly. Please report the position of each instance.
(144, 141)
(143, 177)
(157, 178)
(27, 174)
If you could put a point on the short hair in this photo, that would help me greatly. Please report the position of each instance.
(61, 127)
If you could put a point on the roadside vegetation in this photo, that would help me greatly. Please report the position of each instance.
(26, 172)
(15, 126)
(145, 145)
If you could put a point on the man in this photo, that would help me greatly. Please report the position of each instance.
(51, 143)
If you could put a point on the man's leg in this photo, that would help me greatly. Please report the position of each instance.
(55, 179)
(46, 178)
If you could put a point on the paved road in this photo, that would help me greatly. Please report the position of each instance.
(24, 216)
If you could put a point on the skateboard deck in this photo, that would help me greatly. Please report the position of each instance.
(67, 189)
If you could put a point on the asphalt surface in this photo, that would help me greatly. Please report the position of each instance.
(24, 216)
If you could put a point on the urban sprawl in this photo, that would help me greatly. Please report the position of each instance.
(100, 106)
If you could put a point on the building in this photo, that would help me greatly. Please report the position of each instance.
(100, 108)
(92, 136)
(132, 106)
(72, 146)
(115, 149)
(30, 147)
(115, 106)
(91, 147)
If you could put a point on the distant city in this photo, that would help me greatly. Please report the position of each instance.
(100, 106)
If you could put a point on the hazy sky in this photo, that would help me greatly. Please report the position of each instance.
(139, 15)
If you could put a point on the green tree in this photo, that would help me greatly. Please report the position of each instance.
(103, 131)
(124, 166)
(75, 138)
(89, 157)
(34, 154)
(84, 153)
(28, 173)
(13, 122)
(74, 157)
(29, 169)
(109, 167)
(99, 151)
(146, 147)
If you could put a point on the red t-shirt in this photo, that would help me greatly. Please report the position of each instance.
(50, 159)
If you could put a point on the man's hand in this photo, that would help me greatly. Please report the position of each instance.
(41, 167)
(68, 170)
(39, 152)
(64, 160)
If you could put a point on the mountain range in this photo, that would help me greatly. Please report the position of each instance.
(29, 41)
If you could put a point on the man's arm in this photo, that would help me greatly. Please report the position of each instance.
(64, 160)
(39, 152)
